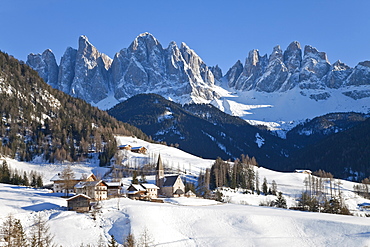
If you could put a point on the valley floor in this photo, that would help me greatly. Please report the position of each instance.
(184, 222)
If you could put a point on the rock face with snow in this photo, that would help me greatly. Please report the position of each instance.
(282, 71)
(90, 80)
(67, 70)
(145, 66)
(178, 73)
(46, 65)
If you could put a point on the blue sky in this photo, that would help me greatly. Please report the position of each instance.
(221, 32)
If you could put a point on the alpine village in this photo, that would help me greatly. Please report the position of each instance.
(153, 147)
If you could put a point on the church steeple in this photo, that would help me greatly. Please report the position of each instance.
(159, 177)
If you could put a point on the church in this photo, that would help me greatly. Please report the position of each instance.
(169, 186)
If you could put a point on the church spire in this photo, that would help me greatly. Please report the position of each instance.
(159, 177)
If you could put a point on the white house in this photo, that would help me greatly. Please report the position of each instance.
(142, 191)
(96, 190)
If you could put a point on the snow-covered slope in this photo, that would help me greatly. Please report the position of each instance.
(284, 110)
(200, 223)
(187, 221)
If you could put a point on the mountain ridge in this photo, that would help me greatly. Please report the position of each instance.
(179, 74)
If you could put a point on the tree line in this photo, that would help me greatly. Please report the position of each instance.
(16, 177)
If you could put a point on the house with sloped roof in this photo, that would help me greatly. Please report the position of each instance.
(79, 203)
(114, 189)
(125, 147)
(190, 194)
(303, 171)
(140, 150)
(142, 191)
(59, 184)
(96, 190)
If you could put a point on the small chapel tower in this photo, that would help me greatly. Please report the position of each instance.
(159, 177)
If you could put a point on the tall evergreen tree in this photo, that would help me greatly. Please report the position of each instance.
(264, 186)
(273, 187)
(280, 201)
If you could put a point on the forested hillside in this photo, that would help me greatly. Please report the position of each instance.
(38, 120)
(345, 154)
(202, 130)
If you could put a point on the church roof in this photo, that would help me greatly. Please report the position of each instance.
(170, 180)
(159, 163)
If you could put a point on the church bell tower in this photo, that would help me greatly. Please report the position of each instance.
(159, 177)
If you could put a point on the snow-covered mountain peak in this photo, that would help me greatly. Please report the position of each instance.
(253, 57)
(276, 53)
(145, 41)
(46, 66)
(312, 52)
(339, 66)
(178, 73)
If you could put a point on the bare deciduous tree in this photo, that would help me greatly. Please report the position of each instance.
(40, 233)
(67, 175)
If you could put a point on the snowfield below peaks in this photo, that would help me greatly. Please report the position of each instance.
(281, 111)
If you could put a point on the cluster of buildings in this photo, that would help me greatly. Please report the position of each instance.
(138, 149)
(89, 188)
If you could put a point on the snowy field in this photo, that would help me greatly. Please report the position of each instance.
(185, 222)
(189, 221)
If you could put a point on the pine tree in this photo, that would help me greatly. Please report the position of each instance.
(112, 242)
(264, 186)
(257, 183)
(129, 241)
(273, 187)
(5, 173)
(134, 178)
(39, 182)
(34, 180)
(26, 182)
(280, 201)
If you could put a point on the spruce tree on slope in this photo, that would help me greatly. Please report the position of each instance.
(280, 201)
(264, 187)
